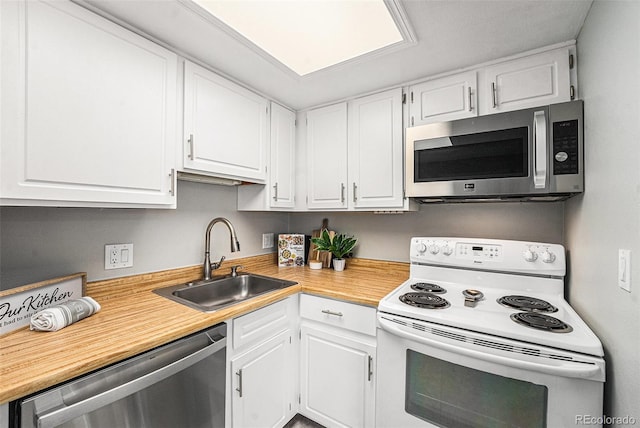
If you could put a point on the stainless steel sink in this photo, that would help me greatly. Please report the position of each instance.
(217, 293)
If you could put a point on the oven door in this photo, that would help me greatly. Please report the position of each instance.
(435, 376)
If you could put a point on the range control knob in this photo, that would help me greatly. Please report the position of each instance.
(434, 249)
(447, 250)
(421, 247)
(530, 255)
(548, 256)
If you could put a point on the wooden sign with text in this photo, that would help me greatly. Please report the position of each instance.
(18, 304)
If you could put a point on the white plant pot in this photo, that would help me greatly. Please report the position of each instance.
(338, 264)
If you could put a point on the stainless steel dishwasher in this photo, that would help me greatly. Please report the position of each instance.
(180, 384)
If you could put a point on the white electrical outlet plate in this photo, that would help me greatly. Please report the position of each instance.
(624, 269)
(117, 256)
(267, 240)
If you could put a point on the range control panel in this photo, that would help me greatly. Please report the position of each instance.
(490, 254)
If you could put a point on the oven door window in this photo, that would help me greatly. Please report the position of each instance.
(453, 396)
(495, 154)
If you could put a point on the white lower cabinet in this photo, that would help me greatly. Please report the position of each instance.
(262, 387)
(263, 366)
(337, 361)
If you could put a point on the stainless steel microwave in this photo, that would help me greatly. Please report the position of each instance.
(533, 154)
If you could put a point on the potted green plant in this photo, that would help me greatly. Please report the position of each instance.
(339, 245)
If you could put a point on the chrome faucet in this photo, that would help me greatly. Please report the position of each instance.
(235, 245)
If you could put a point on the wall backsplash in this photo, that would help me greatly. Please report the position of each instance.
(386, 236)
(41, 243)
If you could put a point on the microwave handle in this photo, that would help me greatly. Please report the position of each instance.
(540, 147)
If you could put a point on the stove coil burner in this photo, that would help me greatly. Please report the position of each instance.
(428, 287)
(541, 322)
(526, 303)
(424, 300)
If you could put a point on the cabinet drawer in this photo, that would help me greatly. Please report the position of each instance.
(261, 324)
(340, 314)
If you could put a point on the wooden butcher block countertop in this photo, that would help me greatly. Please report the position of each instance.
(133, 319)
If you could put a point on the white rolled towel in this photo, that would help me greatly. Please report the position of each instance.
(59, 316)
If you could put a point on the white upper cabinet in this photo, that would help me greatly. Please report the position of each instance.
(327, 157)
(282, 156)
(279, 191)
(530, 81)
(375, 151)
(88, 110)
(225, 127)
(447, 98)
(356, 163)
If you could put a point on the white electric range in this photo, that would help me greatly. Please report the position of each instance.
(481, 336)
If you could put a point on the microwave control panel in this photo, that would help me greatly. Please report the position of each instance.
(565, 147)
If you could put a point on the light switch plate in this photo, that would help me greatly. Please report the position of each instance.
(624, 269)
(267, 240)
(117, 256)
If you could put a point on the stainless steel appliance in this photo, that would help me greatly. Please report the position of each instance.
(533, 154)
(181, 384)
(480, 336)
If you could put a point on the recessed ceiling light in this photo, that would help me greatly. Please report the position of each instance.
(310, 35)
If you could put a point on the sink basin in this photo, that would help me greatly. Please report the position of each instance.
(217, 293)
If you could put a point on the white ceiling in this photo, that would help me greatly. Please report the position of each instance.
(451, 34)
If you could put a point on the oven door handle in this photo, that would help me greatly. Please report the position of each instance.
(565, 368)
(65, 414)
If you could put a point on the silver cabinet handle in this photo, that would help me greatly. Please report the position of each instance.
(65, 414)
(494, 95)
(370, 374)
(239, 388)
(355, 188)
(342, 193)
(190, 141)
(275, 192)
(470, 99)
(172, 174)
(330, 312)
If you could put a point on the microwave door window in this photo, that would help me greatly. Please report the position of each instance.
(495, 154)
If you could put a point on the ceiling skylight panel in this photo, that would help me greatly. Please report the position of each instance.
(309, 35)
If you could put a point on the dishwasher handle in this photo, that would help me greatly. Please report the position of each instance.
(60, 416)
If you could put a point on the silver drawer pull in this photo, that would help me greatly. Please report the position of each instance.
(329, 312)
(239, 388)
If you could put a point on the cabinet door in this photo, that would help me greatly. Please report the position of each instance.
(225, 127)
(327, 157)
(282, 173)
(337, 387)
(375, 151)
(527, 82)
(448, 98)
(262, 394)
(88, 110)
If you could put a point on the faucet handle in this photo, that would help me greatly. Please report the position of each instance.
(216, 265)
(234, 269)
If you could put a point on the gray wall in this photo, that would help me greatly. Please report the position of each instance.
(42, 243)
(386, 236)
(606, 218)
